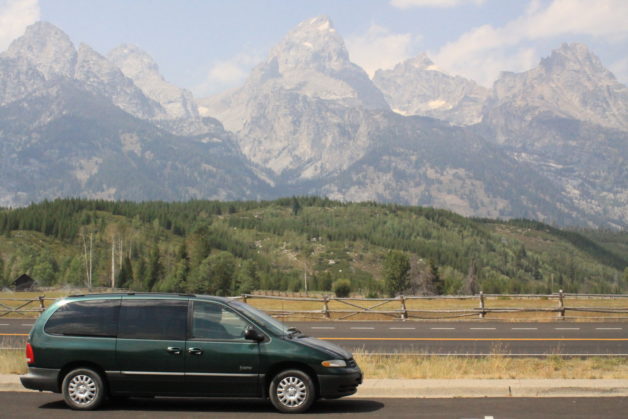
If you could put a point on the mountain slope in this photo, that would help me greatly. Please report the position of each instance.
(142, 69)
(568, 118)
(570, 83)
(418, 87)
(65, 141)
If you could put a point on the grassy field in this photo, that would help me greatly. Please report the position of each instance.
(414, 307)
(12, 361)
(494, 367)
(412, 366)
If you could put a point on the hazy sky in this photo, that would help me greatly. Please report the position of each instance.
(210, 45)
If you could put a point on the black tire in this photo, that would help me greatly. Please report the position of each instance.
(292, 391)
(83, 389)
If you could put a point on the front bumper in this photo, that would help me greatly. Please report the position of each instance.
(42, 379)
(334, 386)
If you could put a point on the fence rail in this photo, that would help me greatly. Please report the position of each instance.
(401, 307)
(409, 307)
(23, 306)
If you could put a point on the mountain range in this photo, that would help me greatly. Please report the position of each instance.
(549, 144)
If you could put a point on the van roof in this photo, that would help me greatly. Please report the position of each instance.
(151, 294)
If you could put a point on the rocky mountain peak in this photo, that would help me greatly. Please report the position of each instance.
(421, 61)
(313, 43)
(312, 60)
(139, 66)
(47, 48)
(102, 77)
(570, 83)
(418, 87)
(575, 57)
(132, 60)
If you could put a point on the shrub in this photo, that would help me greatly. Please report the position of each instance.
(342, 288)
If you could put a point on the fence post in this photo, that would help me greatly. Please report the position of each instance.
(326, 306)
(561, 305)
(244, 298)
(482, 312)
(42, 304)
(404, 310)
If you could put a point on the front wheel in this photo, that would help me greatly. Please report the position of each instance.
(292, 391)
(83, 389)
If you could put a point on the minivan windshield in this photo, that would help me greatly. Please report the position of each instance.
(274, 325)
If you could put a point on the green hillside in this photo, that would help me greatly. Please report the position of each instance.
(235, 247)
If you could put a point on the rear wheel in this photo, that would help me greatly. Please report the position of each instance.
(292, 391)
(83, 389)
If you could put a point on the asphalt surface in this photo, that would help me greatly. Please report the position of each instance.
(456, 338)
(475, 338)
(28, 405)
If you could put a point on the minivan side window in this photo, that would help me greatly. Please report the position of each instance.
(215, 321)
(157, 319)
(97, 318)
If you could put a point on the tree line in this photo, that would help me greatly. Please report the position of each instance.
(297, 244)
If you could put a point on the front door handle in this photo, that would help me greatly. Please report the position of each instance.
(174, 350)
(195, 351)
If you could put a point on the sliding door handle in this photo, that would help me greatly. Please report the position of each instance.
(195, 351)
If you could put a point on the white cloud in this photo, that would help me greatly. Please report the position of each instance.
(378, 48)
(407, 4)
(484, 51)
(225, 74)
(15, 16)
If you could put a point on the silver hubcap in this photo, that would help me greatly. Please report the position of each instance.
(82, 390)
(291, 391)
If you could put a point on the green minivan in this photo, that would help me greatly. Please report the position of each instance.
(91, 347)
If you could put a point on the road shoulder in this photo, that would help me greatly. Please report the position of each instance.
(399, 388)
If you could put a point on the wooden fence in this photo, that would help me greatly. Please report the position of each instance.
(23, 307)
(557, 305)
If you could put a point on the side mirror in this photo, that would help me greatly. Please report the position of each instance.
(253, 334)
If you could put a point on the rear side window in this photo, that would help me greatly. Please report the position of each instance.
(153, 319)
(85, 318)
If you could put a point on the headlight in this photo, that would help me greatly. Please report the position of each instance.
(334, 363)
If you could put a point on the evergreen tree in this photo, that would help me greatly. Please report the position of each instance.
(200, 282)
(139, 283)
(155, 269)
(296, 206)
(125, 276)
(433, 282)
(182, 269)
(247, 278)
(221, 268)
(396, 269)
(198, 247)
(3, 282)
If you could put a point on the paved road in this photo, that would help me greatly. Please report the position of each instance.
(23, 405)
(473, 338)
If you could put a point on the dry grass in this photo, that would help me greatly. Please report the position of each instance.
(493, 367)
(438, 367)
(12, 361)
